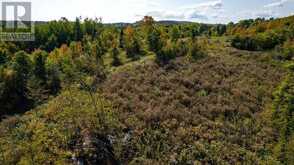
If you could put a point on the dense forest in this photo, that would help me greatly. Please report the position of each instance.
(151, 92)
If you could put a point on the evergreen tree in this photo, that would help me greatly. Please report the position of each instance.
(78, 34)
(154, 40)
(39, 65)
(3, 57)
(53, 79)
(51, 44)
(15, 95)
(175, 33)
(22, 66)
(166, 53)
(194, 33)
(115, 57)
(121, 39)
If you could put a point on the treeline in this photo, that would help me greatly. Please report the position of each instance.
(55, 33)
(252, 34)
(50, 35)
(261, 34)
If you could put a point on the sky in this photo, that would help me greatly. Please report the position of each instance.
(206, 11)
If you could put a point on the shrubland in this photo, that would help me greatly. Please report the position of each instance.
(191, 112)
(148, 93)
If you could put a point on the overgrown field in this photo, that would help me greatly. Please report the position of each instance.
(213, 110)
(208, 111)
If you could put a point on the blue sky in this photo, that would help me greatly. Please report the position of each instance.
(208, 11)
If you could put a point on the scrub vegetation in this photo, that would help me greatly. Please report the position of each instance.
(149, 93)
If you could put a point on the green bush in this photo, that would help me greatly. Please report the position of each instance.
(260, 41)
(134, 49)
(244, 43)
(115, 57)
(182, 47)
(167, 53)
(286, 51)
(283, 120)
(195, 50)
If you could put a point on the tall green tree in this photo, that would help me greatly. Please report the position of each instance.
(115, 57)
(15, 94)
(147, 24)
(22, 66)
(78, 33)
(121, 39)
(53, 78)
(175, 33)
(39, 65)
(154, 40)
(132, 45)
(3, 56)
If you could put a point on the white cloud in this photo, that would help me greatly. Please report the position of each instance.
(166, 15)
(153, 3)
(199, 12)
(215, 11)
(196, 15)
(217, 4)
(264, 14)
(205, 11)
(279, 3)
(258, 13)
(208, 11)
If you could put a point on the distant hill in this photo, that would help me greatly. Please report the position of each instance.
(122, 24)
(162, 22)
(170, 22)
